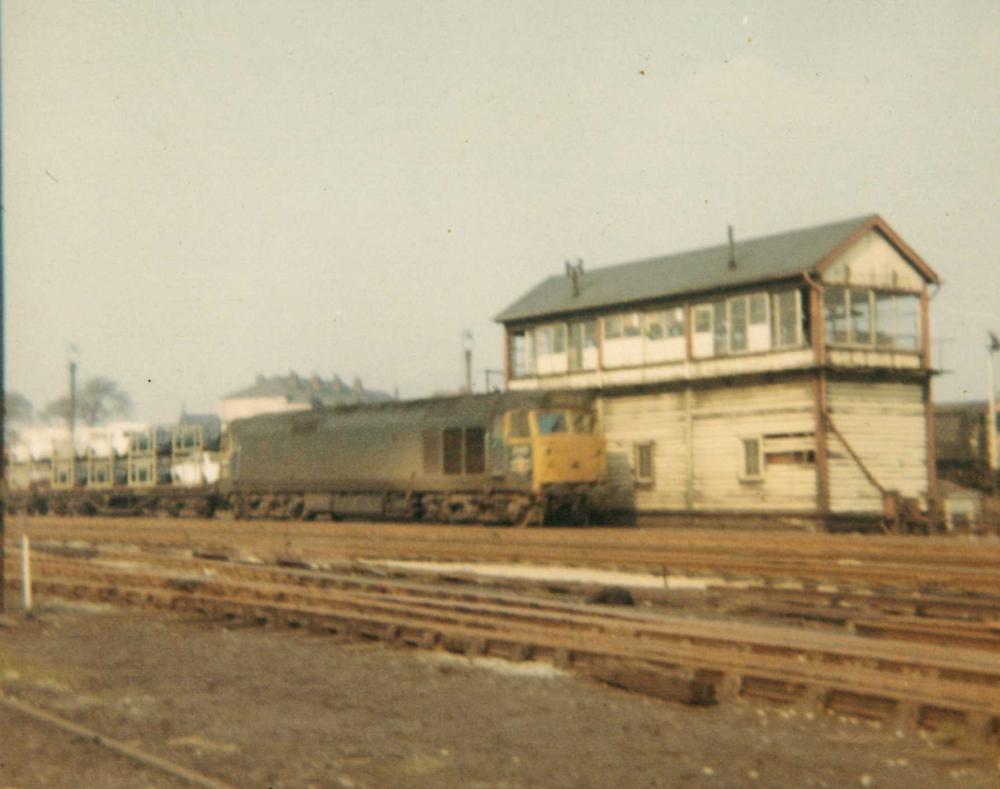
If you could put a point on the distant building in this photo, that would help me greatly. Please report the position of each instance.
(962, 438)
(293, 392)
(786, 377)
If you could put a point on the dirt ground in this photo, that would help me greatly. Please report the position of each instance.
(261, 708)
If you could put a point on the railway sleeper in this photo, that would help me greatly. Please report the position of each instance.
(686, 684)
(669, 684)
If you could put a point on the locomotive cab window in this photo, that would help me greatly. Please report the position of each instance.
(549, 422)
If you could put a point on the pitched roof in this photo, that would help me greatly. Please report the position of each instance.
(757, 260)
(299, 389)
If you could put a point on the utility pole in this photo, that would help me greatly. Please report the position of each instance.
(72, 401)
(467, 347)
(991, 410)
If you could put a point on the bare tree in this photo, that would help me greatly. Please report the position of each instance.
(101, 399)
(17, 408)
(57, 410)
(16, 411)
(98, 400)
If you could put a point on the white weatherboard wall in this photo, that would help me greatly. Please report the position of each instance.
(873, 262)
(698, 459)
(886, 425)
(638, 419)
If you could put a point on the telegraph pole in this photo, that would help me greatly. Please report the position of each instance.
(72, 402)
(991, 410)
(467, 347)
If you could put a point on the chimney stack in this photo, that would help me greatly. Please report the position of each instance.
(575, 272)
(732, 248)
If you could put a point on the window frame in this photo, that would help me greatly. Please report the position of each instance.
(745, 475)
(646, 480)
(892, 299)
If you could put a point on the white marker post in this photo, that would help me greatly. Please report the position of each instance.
(26, 571)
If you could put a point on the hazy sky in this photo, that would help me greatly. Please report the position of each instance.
(198, 191)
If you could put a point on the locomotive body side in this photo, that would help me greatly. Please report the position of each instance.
(444, 459)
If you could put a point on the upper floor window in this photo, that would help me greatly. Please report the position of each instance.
(786, 319)
(741, 324)
(663, 333)
(865, 317)
(623, 340)
(520, 353)
(583, 345)
(550, 348)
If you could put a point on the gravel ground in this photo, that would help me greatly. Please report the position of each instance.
(261, 708)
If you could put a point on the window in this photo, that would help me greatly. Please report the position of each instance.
(835, 315)
(701, 340)
(720, 332)
(632, 324)
(738, 325)
(583, 345)
(758, 309)
(453, 450)
(464, 449)
(550, 349)
(907, 322)
(551, 422)
(752, 462)
(785, 318)
(520, 353)
(644, 473)
(656, 328)
(703, 320)
(885, 320)
(623, 340)
(664, 333)
(475, 450)
(860, 316)
(559, 338)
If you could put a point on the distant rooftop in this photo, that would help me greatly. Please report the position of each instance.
(297, 388)
(761, 259)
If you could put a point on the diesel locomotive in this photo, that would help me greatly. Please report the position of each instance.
(511, 458)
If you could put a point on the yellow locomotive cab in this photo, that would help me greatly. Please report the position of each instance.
(562, 445)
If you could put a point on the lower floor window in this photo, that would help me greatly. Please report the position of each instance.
(644, 472)
(753, 466)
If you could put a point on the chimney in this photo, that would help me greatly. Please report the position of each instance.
(575, 272)
(732, 249)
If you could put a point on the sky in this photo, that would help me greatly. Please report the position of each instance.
(199, 191)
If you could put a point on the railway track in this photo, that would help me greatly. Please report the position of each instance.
(946, 689)
(934, 619)
(883, 564)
